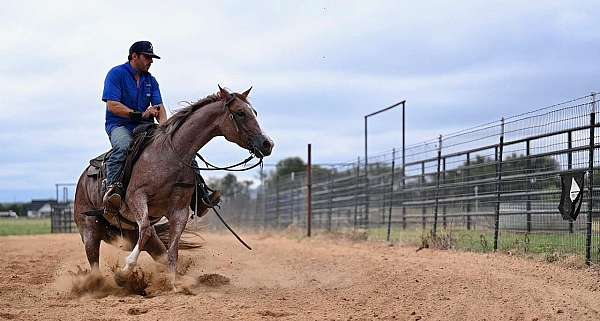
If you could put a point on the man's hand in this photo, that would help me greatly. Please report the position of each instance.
(152, 111)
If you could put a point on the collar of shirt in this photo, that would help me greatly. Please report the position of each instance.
(132, 71)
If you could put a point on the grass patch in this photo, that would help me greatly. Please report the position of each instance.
(444, 240)
(24, 226)
(546, 244)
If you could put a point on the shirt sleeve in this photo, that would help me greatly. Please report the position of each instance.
(112, 87)
(156, 98)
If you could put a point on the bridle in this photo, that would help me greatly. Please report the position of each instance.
(254, 150)
(239, 128)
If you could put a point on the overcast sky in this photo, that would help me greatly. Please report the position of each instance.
(317, 68)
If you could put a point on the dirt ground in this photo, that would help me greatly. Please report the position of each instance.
(294, 279)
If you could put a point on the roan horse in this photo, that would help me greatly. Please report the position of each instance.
(162, 181)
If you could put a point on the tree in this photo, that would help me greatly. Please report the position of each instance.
(289, 165)
(230, 187)
(19, 208)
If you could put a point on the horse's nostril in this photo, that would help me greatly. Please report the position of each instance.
(266, 144)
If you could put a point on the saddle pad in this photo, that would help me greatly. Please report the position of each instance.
(98, 160)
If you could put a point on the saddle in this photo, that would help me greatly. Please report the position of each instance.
(142, 135)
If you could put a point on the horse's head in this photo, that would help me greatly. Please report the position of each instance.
(240, 125)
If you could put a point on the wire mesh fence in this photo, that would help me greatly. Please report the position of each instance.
(61, 218)
(490, 187)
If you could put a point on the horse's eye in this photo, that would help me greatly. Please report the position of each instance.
(240, 114)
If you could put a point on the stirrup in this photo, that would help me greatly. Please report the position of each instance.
(113, 198)
(212, 200)
(209, 202)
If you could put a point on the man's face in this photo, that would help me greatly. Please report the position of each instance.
(141, 62)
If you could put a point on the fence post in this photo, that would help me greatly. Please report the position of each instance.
(529, 185)
(403, 165)
(277, 213)
(468, 192)
(389, 227)
(423, 208)
(309, 192)
(365, 219)
(383, 197)
(499, 150)
(258, 200)
(267, 193)
(53, 214)
(356, 191)
(437, 185)
(402, 191)
(444, 207)
(330, 203)
(588, 239)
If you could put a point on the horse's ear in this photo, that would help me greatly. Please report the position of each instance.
(247, 92)
(224, 93)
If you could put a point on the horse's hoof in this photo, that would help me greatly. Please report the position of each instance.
(121, 277)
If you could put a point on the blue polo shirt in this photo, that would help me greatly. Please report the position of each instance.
(120, 85)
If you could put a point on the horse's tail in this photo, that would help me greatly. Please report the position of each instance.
(190, 239)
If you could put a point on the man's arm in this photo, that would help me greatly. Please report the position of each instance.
(162, 114)
(121, 110)
(118, 109)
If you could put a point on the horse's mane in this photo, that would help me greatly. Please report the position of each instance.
(177, 119)
(168, 129)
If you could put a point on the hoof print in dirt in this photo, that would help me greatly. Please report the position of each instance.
(137, 311)
(267, 313)
(134, 282)
(186, 291)
(213, 280)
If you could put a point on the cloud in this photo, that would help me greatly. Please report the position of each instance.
(316, 68)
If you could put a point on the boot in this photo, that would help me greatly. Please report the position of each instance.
(206, 202)
(113, 197)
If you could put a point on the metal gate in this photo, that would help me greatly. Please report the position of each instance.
(62, 218)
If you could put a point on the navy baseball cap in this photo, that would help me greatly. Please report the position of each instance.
(144, 47)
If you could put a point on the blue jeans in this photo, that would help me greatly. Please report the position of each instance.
(120, 139)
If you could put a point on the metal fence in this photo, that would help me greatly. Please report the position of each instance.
(61, 218)
(490, 187)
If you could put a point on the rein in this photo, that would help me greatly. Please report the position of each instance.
(230, 168)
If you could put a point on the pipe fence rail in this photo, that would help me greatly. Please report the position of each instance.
(486, 188)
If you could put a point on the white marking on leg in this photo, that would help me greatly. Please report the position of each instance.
(131, 260)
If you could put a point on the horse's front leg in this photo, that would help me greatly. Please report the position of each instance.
(177, 223)
(138, 204)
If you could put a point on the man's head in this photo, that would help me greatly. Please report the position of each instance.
(141, 54)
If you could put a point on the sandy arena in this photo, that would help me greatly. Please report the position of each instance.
(292, 279)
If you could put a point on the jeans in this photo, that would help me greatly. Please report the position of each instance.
(120, 139)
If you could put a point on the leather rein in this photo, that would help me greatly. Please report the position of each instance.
(254, 151)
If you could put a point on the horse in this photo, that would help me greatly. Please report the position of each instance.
(163, 180)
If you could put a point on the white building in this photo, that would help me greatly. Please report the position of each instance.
(40, 208)
(11, 214)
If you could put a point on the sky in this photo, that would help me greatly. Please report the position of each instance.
(316, 67)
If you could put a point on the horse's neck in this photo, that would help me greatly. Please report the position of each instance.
(197, 130)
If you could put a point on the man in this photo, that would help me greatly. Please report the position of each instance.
(132, 97)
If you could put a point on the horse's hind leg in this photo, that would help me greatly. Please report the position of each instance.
(91, 235)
